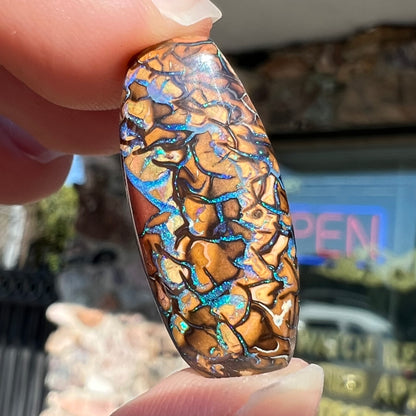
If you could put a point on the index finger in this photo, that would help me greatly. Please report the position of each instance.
(74, 53)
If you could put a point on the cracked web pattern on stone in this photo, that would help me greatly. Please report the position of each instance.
(213, 219)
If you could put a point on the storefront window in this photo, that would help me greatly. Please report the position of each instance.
(354, 201)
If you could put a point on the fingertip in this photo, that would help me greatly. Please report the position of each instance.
(188, 393)
(55, 127)
(106, 34)
(297, 394)
(29, 171)
(27, 181)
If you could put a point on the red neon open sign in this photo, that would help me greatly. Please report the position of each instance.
(333, 232)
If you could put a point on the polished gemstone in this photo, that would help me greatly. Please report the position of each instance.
(210, 210)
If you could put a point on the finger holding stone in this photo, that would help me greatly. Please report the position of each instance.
(293, 391)
(74, 53)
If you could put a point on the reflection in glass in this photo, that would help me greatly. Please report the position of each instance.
(353, 204)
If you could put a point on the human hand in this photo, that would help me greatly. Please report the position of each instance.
(62, 65)
(61, 74)
(292, 391)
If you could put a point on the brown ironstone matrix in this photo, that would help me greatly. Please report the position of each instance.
(210, 210)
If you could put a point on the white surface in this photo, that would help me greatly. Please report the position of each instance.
(251, 24)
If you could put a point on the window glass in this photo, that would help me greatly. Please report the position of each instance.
(353, 202)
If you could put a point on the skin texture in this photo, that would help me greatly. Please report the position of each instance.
(61, 78)
(293, 391)
(64, 88)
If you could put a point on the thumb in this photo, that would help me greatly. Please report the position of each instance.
(74, 53)
(293, 391)
(296, 394)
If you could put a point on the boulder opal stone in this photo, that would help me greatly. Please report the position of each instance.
(210, 210)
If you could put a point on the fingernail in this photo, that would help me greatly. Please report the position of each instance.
(24, 143)
(306, 383)
(308, 378)
(188, 12)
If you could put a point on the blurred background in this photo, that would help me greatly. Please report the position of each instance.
(335, 85)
